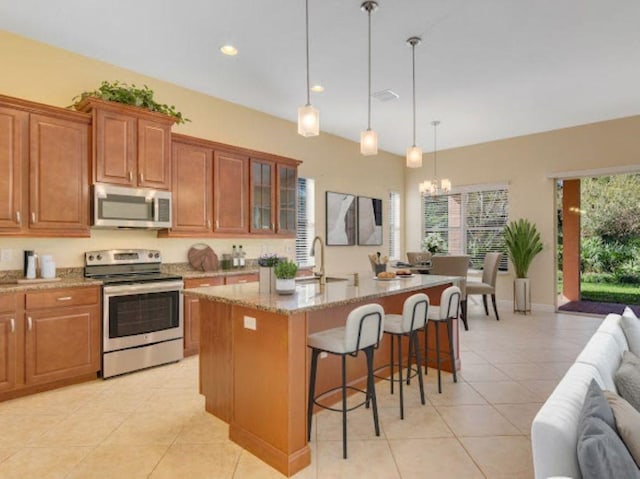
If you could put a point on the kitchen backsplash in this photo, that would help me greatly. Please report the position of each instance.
(69, 252)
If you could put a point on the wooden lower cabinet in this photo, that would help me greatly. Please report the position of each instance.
(8, 351)
(241, 278)
(48, 338)
(62, 343)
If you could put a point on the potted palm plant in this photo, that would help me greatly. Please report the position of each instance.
(285, 272)
(523, 243)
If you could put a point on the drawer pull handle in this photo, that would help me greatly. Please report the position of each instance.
(204, 284)
(209, 224)
(141, 178)
(217, 224)
(242, 281)
(18, 218)
(33, 218)
(64, 298)
(130, 176)
(13, 325)
(29, 323)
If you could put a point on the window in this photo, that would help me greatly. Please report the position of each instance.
(470, 221)
(394, 225)
(306, 221)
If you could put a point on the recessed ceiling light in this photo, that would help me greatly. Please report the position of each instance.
(317, 88)
(229, 50)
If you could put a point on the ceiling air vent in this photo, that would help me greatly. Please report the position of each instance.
(385, 95)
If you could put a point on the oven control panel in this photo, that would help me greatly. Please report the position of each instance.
(122, 256)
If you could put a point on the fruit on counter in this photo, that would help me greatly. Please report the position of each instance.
(386, 275)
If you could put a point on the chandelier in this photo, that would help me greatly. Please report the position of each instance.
(435, 186)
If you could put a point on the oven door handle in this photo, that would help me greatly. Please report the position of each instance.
(165, 286)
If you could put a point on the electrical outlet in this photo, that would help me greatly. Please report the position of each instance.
(5, 255)
(250, 322)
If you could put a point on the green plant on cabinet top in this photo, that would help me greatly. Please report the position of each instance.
(121, 92)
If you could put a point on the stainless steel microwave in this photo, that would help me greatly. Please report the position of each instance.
(123, 207)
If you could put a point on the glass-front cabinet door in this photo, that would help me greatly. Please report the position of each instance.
(262, 196)
(287, 179)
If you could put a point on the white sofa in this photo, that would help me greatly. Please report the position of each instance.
(554, 430)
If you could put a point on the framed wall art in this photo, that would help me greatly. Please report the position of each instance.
(369, 221)
(341, 219)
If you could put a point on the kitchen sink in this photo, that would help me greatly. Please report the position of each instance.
(316, 279)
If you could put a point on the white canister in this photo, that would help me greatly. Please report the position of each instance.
(47, 266)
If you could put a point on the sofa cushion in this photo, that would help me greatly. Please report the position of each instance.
(602, 454)
(627, 423)
(627, 379)
(611, 325)
(596, 405)
(604, 353)
(631, 327)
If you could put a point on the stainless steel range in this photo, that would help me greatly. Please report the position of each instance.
(141, 309)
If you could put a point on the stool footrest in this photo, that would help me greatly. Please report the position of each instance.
(339, 388)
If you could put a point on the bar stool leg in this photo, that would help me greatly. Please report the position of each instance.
(372, 389)
(426, 347)
(344, 406)
(391, 359)
(453, 360)
(438, 355)
(414, 338)
(312, 389)
(409, 360)
(399, 336)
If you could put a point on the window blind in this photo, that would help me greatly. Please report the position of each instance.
(394, 225)
(306, 226)
(470, 222)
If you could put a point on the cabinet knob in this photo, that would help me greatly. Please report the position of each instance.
(33, 217)
(13, 325)
(18, 218)
(29, 323)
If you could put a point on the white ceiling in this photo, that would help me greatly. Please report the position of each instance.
(487, 69)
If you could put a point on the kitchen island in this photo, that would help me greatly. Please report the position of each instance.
(254, 361)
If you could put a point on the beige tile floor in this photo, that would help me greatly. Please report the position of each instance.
(152, 424)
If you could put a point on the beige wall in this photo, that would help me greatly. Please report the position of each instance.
(42, 73)
(526, 163)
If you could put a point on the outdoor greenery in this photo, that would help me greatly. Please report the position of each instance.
(286, 270)
(523, 243)
(610, 293)
(121, 92)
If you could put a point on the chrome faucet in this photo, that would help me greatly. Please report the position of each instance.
(323, 278)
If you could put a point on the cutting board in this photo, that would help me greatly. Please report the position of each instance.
(202, 257)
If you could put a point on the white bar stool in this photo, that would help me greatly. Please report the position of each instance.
(362, 332)
(445, 313)
(409, 323)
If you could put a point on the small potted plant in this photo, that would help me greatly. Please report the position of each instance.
(285, 272)
(266, 276)
(523, 243)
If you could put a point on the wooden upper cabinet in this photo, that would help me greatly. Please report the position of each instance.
(262, 190)
(287, 188)
(14, 152)
(58, 170)
(115, 148)
(131, 146)
(230, 198)
(44, 168)
(192, 188)
(154, 154)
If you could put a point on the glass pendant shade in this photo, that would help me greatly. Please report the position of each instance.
(369, 142)
(414, 157)
(308, 121)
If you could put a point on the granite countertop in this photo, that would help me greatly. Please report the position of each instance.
(310, 296)
(11, 286)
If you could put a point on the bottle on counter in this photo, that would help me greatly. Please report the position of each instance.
(234, 257)
(241, 254)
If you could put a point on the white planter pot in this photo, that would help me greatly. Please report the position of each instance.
(266, 280)
(522, 295)
(285, 286)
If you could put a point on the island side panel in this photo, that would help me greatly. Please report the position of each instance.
(215, 358)
(269, 388)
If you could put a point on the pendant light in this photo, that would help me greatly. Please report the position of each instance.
(435, 186)
(414, 153)
(308, 116)
(369, 138)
